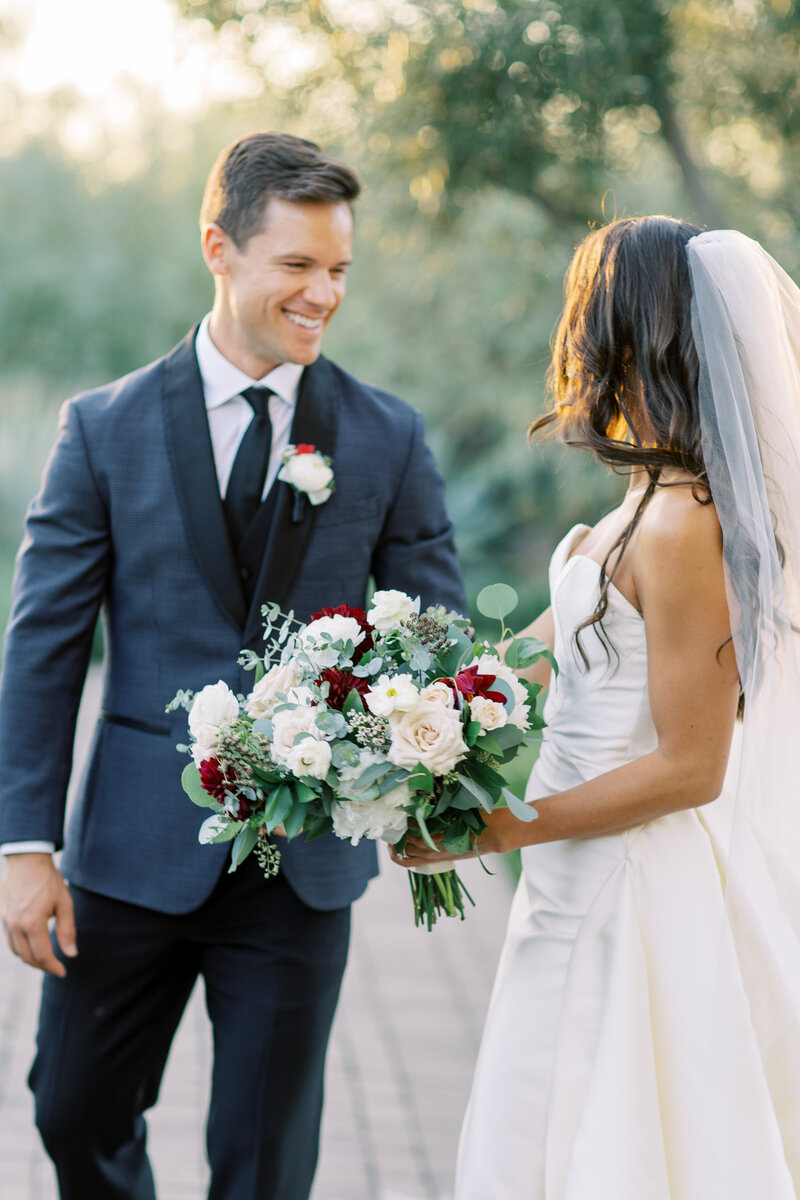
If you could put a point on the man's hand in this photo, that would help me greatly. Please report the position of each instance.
(31, 892)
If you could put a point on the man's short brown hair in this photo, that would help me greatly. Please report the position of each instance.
(261, 165)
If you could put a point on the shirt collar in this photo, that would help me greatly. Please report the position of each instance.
(222, 380)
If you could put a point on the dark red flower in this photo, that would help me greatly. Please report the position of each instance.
(305, 448)
(358, 614)
(342, 683)
(217, 784)
(471, 684)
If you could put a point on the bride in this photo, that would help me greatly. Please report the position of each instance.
(643, 1038)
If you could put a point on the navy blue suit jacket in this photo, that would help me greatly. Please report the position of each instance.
(129, 519)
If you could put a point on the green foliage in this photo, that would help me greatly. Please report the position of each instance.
(488, 133)
(496, 601)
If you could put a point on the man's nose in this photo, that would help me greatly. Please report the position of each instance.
(321, 290)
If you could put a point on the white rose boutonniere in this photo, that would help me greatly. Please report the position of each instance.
(307, 471)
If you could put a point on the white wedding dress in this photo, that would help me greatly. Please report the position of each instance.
(641, 1042)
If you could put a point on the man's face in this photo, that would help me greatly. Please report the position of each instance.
(283, 287)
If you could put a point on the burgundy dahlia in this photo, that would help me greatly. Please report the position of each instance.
(342, 683)
(358, 614)
(217, 783)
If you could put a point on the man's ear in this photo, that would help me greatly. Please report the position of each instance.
(217, 248)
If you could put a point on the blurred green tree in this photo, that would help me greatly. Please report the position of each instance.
(547, 98)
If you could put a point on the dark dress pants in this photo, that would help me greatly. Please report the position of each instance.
(272, 969)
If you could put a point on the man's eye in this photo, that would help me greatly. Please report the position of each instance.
(295, 265)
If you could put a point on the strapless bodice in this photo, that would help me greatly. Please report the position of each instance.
(598, 718)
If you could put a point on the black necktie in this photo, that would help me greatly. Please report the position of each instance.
(249, 471)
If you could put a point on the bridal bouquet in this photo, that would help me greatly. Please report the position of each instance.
(361, 723)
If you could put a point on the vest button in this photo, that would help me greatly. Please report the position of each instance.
(245, 573)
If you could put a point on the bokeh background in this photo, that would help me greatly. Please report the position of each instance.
(490, 135)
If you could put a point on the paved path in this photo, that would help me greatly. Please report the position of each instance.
(399, 1064)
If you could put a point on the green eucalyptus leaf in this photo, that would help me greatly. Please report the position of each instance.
(305, 792)
(460, 651)
(421, 779)
(419, 816)
(525, 651)
(243, 843)
(458, 843)
(190, 781)
(488, 742)
(486, 776)
(502, 688)
(480, 793)
(344, 754)
(525, 812)
(331, 723)
(472, 732)
(496, 601)
(353, 703)
(218, 828)
(316, 826)
(293, 823)
(462, 800)
(392, 780)
(278, 806)
(508, 737)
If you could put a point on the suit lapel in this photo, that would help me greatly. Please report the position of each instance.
(192, 460)
(315, 422)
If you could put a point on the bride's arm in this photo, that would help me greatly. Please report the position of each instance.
(693, 689)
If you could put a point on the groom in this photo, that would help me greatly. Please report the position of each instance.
(160, 508)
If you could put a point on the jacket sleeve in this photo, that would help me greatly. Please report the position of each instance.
(59, 582)
(416, 551)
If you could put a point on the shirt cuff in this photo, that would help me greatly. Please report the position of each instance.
(28, 848)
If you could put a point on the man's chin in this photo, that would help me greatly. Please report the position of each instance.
(304, 355)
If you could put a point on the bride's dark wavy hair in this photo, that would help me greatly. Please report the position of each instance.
(624, 372)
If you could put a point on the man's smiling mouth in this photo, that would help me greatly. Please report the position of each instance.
(303, 321)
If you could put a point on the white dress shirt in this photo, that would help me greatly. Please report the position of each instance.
(229, 414)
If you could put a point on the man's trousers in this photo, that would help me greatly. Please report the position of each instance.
(272, 968)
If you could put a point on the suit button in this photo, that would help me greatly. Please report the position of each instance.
(245, 573)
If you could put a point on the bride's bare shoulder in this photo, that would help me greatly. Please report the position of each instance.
(679, 531)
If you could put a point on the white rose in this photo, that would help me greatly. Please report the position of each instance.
(381, 818)
(438, 692)
(489, 664)
(278, 681)
(488, 713)
(285, 727)
(337, 629)
(431, 735)
(390, 608)
(310, 757)
(309, 473)
(392, 694)
(215, 705)
(206, 743)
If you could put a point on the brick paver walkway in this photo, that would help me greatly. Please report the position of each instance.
(399, 1064)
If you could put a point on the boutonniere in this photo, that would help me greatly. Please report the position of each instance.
(308, 472)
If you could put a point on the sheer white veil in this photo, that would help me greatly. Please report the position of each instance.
(746, 326)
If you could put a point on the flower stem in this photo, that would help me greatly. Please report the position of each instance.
(437, 895)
